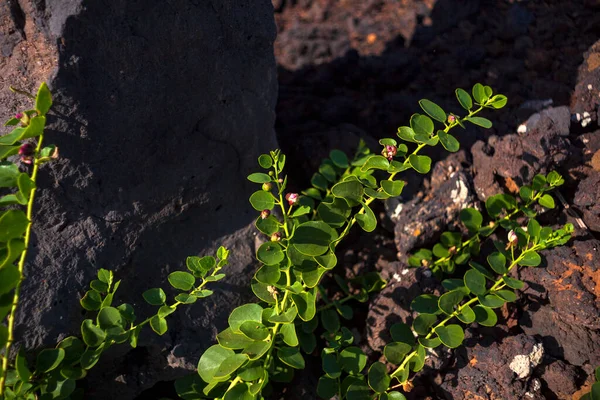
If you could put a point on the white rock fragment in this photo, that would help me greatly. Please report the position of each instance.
(405, 271)
(589, 86)
(397, 210)
(523, 364)
(397, 277)
(522, 128)
(460, 194)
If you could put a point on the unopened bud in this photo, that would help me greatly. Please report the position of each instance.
(24, 118)
(19, 115)
(267, 186)
(389, 152)
(425, 263)
(280, 180)
(272, 290)
(513, 240)
(452, 250)
(451, 118)
(26, 151)
(264, 214)
(292, 198)
(276, 237)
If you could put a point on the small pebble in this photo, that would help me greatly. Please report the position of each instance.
(522, 128)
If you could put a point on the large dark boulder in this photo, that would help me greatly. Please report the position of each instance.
(161, 110)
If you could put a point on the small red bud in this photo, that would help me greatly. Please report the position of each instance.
(264, 214)
(389, 152)
(26, 151)
(451, 118)
(292, 198)
(19, 115)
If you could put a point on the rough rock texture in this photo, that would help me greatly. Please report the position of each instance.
(564, 303)
(161, 110)
(421, 220)
(542, 147)
(586, 198)
(585, 99)
(482, 372)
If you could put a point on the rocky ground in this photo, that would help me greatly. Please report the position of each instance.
(355, 69)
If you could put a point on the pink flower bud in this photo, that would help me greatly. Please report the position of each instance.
(264, 214)
(512, 237)
(389, 152)
(19, 115)
(27, 151)
(276, 237)
(292, 198)
(267, 186)
(451, 118)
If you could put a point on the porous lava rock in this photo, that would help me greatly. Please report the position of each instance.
(585, 99)
(586, 198)
(160, 112)
(563, 307)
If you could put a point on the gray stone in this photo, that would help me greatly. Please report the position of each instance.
(161, 110)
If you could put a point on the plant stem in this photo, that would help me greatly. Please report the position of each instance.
(21, 266)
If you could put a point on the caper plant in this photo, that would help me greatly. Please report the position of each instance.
(261, 343)
(57, 370)
(594, 393)
(468, 300)
(18, 180)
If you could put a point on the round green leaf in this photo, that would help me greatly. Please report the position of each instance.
(327, 387)
(471, 218)
(395, 352)
(421, 124)
(312, 238)
(270, 253)
(367, 221)
(73, 348)
(433, 110)
(268, 274)
(185, 298)
(247, 312)
(262, 200)
(90, 357)
(425, 304)
(464, 99)
(254, 330)
(12, 225)
(530, 258)
(480, 121)
(430, 343)
(423, 323)
(291, 356)
(526, 193)
(448, 141)
(181, 280)
(375, 162)
(288, 332)
(392, 188)
(359, 391)
(448, 301)
(513, 283)
(49, 359)
(491, 301)
(507, 295)
(479, 93)
(158, 325)
(155, 296)
(407, 134)
(268, 226)
(230, 365)
(421, 164)
(378, 378)
(349, 190)
(265, 161)
(485, 316)
(233, 340)
(401, 332)
(452, 335)
(352, 360)
(92, 335)
(259, 177)
(475, 281)
(498, 101)
(339, 158)
(305, 303)
(109, 317)
(211, 360)
(74, 373)
(21, 366)
(392, 396)
(497, 261)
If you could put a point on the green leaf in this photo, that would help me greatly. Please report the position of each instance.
(254, 330)
(407, 134)
(480, 121)
(270, 253)
(352, 360)
(49, 359)
(464, 99)
(448, 141)
(425, 304)
(13, 224)
(498, 101)
(330, 320)
(433, 110)
(246, 312)
(230, 365)
(291, 356)
(466, 315)
(471, 218)
(155, 296)
(378, 378)
(339, 158)
(26, 185)
(109, 317)
(268, 226)
(71, 372)
(7, 151)
(421, 164)
(327, 387)
(395, 352)
(3, 335)
(430, 343)
(105, 276)
(261, 291)
(9, 277)
(367, 221)
(181, 280)
(475, 281)
(349, 190)
(268, 274)
(9, 173)
(485, 316)
(530, 258)
(479, 93)
(259, 177)
(288, 332)
(448, 301)
(401, 332)
(35, 128)
(546, 201)
(491, 301)
(312, 238)
(262, 200)
(526, 193)
(498, 262)
(327, 260)
(265, 161)
(595, 393)
(305, 303)
(91, 301)
(99, 286)
(211, 361)
(506, 295)
(319, 181)
(423, 322)
(392, 396)
(158, 325)
(43, 99)
(421, 125)
(359, 391)
(164, 311)
(233, 340)
(513, 283)
(21, 366)
(417, 361)
(451, 335)
(392, 188)
(539, 181)
(334, 214)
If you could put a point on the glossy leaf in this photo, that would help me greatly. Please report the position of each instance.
(485, 316)
(498, 101)
(270, 253)
(475, 281)
(497, 261)
(155, 296)
(367, 220)
(451, 335)
(530, 258)
(421, 164)
(513, 283)
(181, 280)
(479, 93)
(546, 201)
(313, 238)
(401, 332)
(291, 356)
(378, 378)
(12, 225)
(49, 359)
(423, 322)
(448, 301)
(305, 303)
(448, 141)
(246, 312)
(262, 200)
(464, 99)
(211, 360)
(395, 352)
(471, 218)
(158, 325)
(350, 190)
(392, 188)
(265, 161)
(352, 360)
(433, 110)
(43, 99)
(425, 304)
(491, 301)
(480, 121)
(421, 124)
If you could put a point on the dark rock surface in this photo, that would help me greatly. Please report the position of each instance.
(161, 110)
(586, 198)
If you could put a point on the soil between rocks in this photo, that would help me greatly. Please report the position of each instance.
(355, 69)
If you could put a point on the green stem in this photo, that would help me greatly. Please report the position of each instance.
(21, 266)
